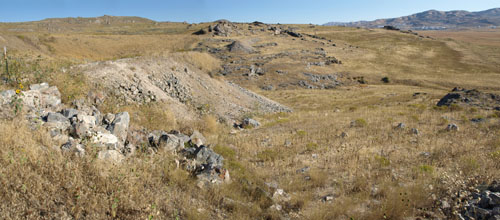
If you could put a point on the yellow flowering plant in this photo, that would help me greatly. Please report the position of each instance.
(17, 101)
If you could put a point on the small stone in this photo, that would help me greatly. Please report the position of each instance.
(69, 112)
(452, 127)
(40, 86)
(344, 135)
(303, 170)
(415, 131)
(250, 123)
(401, 126)
(328, 198)
(287, 143)
(276, 206)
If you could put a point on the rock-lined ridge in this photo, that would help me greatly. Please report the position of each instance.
(76, 130)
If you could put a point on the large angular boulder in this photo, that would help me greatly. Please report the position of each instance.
(72, 146)
(69, 112)
(83, 125)
(119, 126)
(106, 140)
(206, 165)
(461, 96)
(161, 140)
(57, 123)
(42, 97)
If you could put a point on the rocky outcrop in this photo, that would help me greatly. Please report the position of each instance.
(484, 205)
(183, 87)
(223, 28)
(461, 96)
(76, 130)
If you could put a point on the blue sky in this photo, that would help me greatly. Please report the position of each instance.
(269, 11)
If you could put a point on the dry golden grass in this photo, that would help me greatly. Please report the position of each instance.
(202, 61)
(374, 172)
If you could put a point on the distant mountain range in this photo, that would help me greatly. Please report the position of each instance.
(433, 20)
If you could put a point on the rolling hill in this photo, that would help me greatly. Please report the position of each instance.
(433, 20)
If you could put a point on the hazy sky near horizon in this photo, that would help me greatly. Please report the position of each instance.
(269, 11)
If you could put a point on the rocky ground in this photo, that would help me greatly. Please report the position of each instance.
(184, 87)
(370, 135)
(75, 130)
(260, 59)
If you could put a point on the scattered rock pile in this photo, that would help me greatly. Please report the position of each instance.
(461, 96)
(317, 81)
(484, 205)
(184, 87)
(76, 130)
(223, 28)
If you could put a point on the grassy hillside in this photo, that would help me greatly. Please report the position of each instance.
(339, 155)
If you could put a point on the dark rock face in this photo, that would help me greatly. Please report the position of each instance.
(391, 28)
(205, 164)
(460, 96)
(200, 32)
(293, 33)
(484, 205)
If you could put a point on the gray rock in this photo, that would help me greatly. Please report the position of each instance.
(494, 187)
(57, 124)
(119, 126)
(208, 158)
(401, 126)
(106, 140)
(303, 170)
(72, 146)
(182, 138)
(452, 127)
(83, 125)
(250, 123)
(169, 142)
(267, 87)
(69, 112)
(281, 196)
(57, 118)
(415, 131)
(328, 198)
(344, 134)
(495, 198)
(42, 99)
(197, 139)
(108, 118)
(40, 86)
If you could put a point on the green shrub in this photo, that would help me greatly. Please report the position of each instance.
(385, 79)
(382, 161)
(360, 122)
(267, 155)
